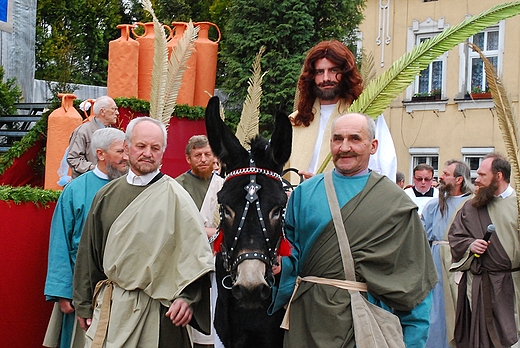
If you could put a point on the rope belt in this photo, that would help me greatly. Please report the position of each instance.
(342, 284)
(440, 242)
(104, 316)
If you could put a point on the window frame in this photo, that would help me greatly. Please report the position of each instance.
(466, 54)
(475, 152)
(424, 152)
(420, 30)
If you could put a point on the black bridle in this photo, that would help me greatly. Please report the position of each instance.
(251, 197)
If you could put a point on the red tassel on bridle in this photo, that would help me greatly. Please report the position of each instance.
(217, 243)
(284, 249)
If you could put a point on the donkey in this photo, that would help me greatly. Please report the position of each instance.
(252, 211)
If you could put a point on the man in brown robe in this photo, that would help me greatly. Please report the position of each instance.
(485, 315)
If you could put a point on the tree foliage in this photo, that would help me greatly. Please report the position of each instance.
(287, 28)
(10, 93)
(72, 39)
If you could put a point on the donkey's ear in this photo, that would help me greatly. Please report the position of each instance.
(223, 142)
(281, 140)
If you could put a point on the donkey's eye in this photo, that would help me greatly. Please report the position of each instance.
(275, 214)
(228, 213)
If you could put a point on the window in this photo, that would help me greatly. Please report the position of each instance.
(425, 155)
(488, 41)
(472, 75)
(473, 156)
(432, 80)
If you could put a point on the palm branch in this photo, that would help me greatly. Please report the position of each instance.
(247, 128)
(367, 71)
(167, 74)
(176, 68)
(506, 119)
(380, 92)
(160, 65)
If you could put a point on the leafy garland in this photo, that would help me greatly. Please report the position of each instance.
(181, 110)
(39, 131)
(26, 194)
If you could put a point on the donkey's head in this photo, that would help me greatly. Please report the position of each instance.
(252, 204)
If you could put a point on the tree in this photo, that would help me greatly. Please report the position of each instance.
(72, 39)
(288, 28)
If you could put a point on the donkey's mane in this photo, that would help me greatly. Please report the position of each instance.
(259, 146)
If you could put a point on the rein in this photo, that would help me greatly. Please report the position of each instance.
(251, 197)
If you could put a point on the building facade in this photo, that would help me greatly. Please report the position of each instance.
(438, 118)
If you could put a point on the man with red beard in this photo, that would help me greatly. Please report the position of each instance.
(203, 185)
(200, 180)
(329, 83)
(485, 314)
(455, 188)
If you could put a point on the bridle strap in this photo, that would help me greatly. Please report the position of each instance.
(251, 189)
(254, 170)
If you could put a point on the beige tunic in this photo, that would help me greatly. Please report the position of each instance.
(155, 251)
(304, 140)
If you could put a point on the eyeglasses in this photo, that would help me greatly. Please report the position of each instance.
(423, 179)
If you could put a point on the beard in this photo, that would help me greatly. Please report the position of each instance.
(327, 94)
(114, 172)
(203, 174)
(485, 194)
(444, 194)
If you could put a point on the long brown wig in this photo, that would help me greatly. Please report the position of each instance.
(350, 85)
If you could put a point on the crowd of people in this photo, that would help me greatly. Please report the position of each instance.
(130, 261)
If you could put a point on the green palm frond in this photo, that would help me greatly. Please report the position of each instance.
(378, 94)
(177, 65)
(247, 128)
(160, 65)
(381, 91)
(506, 119)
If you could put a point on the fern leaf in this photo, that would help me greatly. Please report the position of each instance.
(247, 128)
(176, 68)
(380, 92)
(160, 65)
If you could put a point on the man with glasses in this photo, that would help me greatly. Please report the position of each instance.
(80, 157)
(422, 190)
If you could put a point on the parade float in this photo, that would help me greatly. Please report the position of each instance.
(29, 169)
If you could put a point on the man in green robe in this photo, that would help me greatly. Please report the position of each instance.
(143, 259)
(203, 184)
(387, 240)
(66, 227)
(489, 291)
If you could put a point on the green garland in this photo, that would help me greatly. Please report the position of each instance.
(19, 147)
(26, 194)
(39, 131)
(181, 110)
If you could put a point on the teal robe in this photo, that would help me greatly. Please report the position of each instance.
(66, 227)
(388, 246)
(436, 226)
